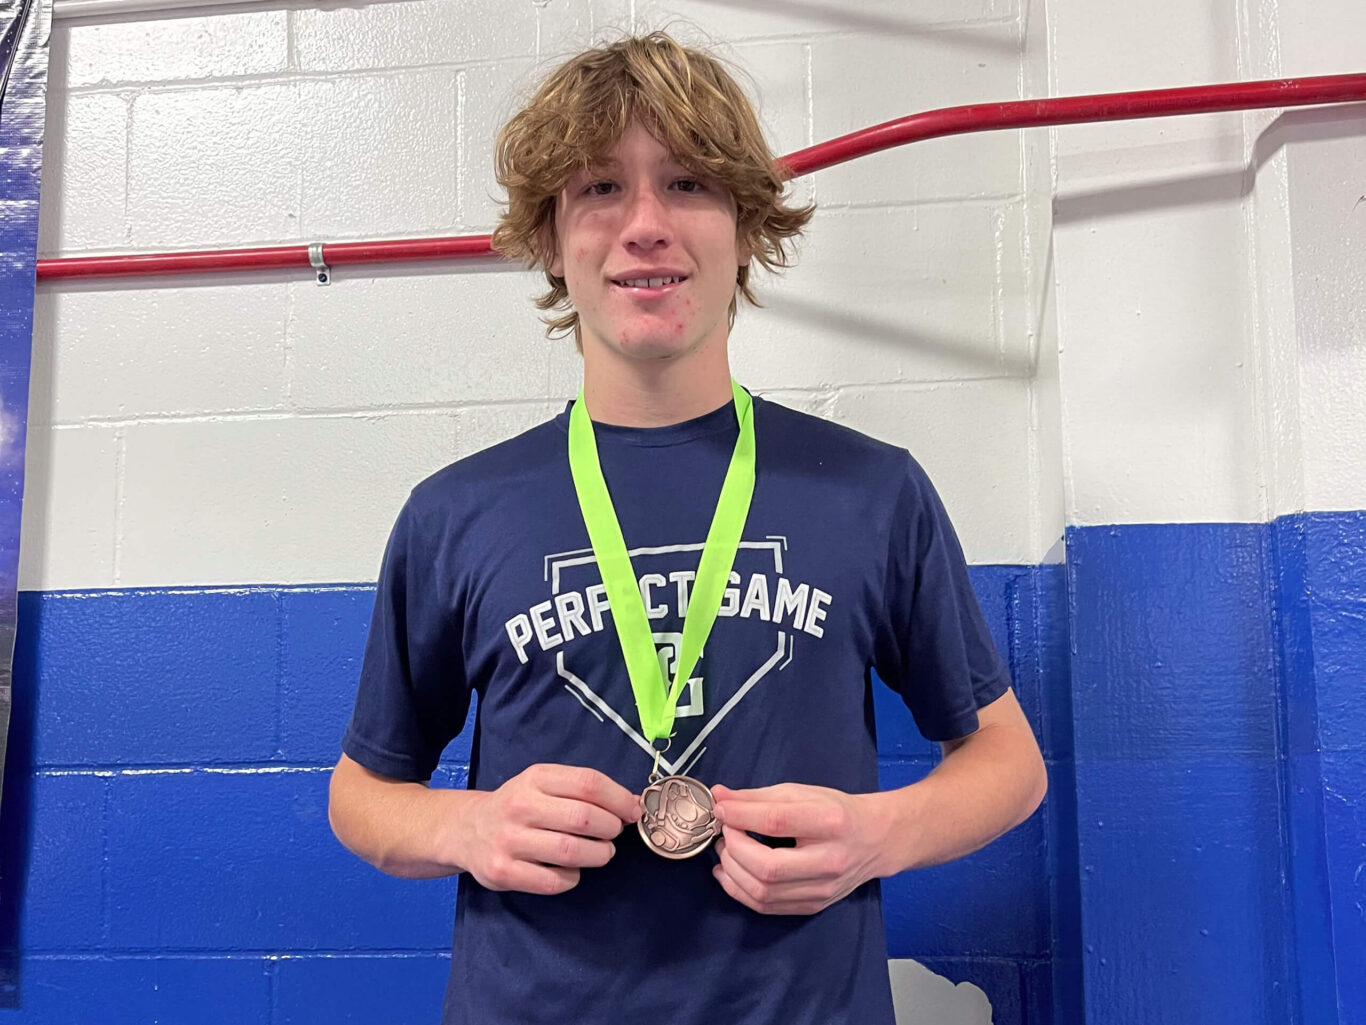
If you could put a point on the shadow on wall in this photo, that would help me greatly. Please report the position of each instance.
(1341, 121)
(16, 815)
(852, 326)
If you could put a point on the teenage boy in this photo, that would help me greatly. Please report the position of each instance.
(669, 600)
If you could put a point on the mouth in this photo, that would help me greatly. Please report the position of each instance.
(650, 286)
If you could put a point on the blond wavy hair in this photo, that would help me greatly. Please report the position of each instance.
(688, 101)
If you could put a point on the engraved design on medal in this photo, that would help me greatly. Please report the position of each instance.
(678, 820)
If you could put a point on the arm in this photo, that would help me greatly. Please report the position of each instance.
(533, 834)
(987, 784)
(404, 829)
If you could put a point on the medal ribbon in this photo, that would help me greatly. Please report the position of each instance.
(657, 700)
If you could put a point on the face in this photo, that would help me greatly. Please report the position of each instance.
(648, 252)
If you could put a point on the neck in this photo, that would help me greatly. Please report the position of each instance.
(654, 393)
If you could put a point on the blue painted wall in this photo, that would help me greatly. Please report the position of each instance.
(1199, 857)
(1220, 766)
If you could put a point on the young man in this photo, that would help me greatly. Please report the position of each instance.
(765, 562)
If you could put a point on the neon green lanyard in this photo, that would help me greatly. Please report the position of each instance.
(657, 700)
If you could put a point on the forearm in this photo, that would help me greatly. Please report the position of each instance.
(983, 788)
(403, 829)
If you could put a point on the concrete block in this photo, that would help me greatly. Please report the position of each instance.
(949, 428)
(1335, 556)
(1344, 781)
(359, 989)
(322, 641)
(563, 30)
(85, 154)
(489, 95)
(1339, 630)
(1324, 153)
(271, 500)
(1199, 838)
(247, 861)
(781, 93)
(1111, 46)
(1320, 41)
(60, 903)
(1172, 642)
(379, 155)
(439, 338)
(162, 351)
(146, 988)
(67, 534)
(901, 294)
(857, 82)
(212, 167)
(323, 645)
(395, 35)
(1156, 357)
(174, 49)
(182, 677)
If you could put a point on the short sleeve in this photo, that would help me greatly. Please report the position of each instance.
(933, 645)
(412, 698)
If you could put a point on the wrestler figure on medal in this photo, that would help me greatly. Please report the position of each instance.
(679, 817)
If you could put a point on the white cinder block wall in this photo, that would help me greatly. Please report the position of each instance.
(261, 428)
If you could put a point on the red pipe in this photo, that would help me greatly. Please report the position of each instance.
(1290, 92)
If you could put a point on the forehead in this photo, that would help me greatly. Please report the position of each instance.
(635, 143)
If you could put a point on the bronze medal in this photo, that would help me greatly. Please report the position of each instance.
(678, 820)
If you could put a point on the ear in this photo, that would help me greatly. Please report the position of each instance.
(550, 249)
(743, 254)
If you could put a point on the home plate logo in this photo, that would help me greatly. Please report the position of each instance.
(769, 599)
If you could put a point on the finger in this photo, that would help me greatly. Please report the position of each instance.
(771, 895)
(816, 820)
(783, 908)
(776, 865)
(562, 849)
(582, 818)
(584, 784)
(777, 792)
(529, 877)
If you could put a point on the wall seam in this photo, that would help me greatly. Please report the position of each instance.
(120, 469)
(106, 911)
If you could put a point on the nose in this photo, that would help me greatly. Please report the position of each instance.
(647, 224)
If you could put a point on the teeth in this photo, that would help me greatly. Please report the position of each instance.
(650, 282)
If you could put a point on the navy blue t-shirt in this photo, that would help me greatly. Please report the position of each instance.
(848, 563)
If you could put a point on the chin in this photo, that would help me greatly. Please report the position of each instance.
(654, 348)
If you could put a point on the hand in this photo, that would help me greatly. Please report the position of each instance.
(536, 831)
(839, 844)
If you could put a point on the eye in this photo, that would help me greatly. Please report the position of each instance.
(688, 185)
(600, 188)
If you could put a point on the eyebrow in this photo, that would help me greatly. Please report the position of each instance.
(607, 164)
